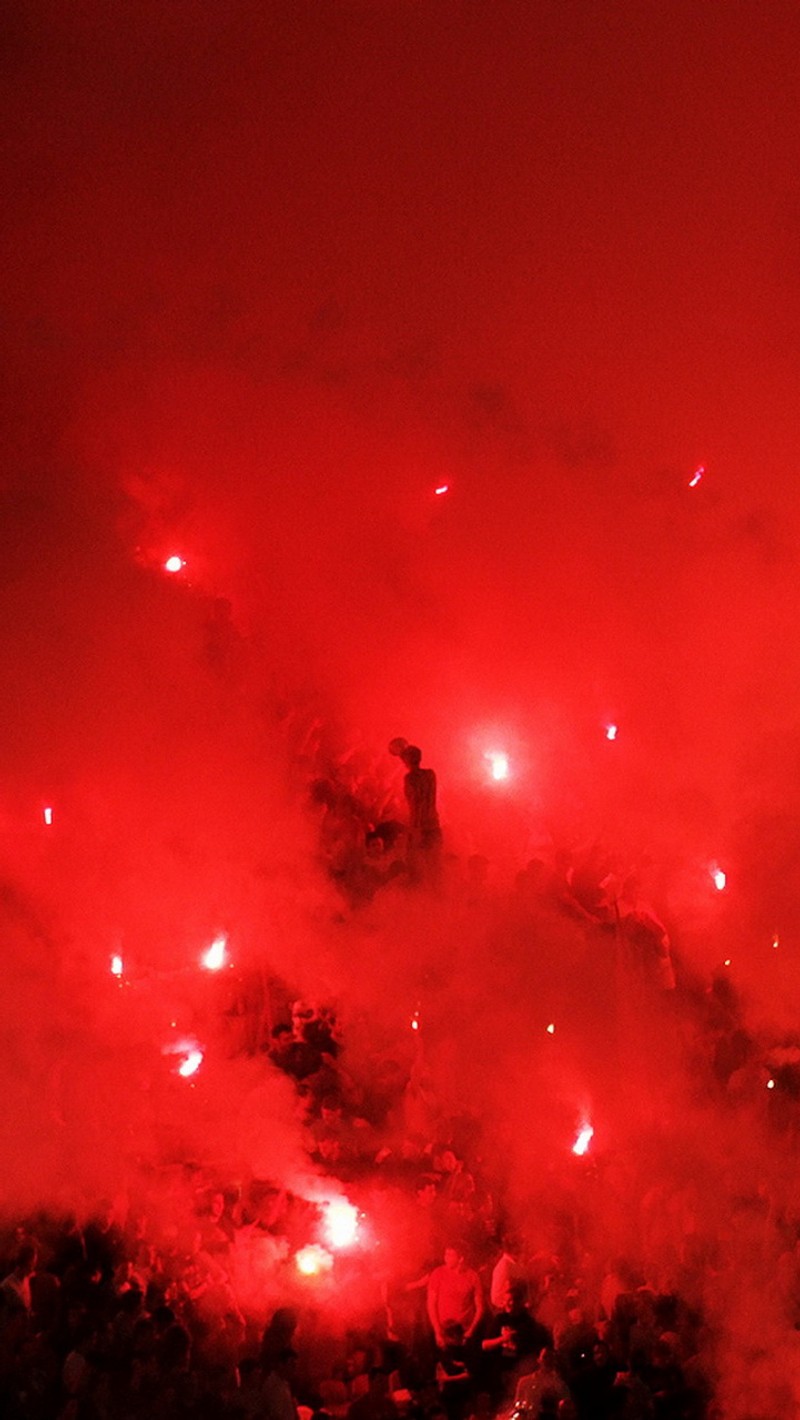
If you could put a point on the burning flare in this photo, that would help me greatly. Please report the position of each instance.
(339, 1223)
(499, 767)
(584, 1139)
(216, 956)
(313, 1259)
(190, 1064)
(190, 1054)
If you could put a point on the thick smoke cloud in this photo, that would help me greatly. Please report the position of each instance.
(273, 275)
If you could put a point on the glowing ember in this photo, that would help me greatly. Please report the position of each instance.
(48, 816)
(551, 1030)
(312, 1260)
(340, 1223)
(116, 965)
(443, 488)
(174, 564)
(718, 877)
(697, 475)
(584, 1139)
(190, 1064)
(214, 959)
(611, 732)
(499, 767)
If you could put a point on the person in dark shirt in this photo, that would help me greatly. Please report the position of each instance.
(293, 1054)
(512, 1337)
(575, 1341)
(103, 1243)
(452, 1371)
(596, 1394)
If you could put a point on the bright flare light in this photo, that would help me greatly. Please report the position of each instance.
(312, 1260)
(340, 1223)
(611, 732)
(499, 767)
(551, 1030)
(718, 877)
(584, 1139)
(48, 816)
(190, 1064)
(189, 1053)
(697, 475)
(174, 564)
(116, 965)
(443, 488)
(770, 1084)
(214, 959)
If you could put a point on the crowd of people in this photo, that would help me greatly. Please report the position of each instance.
(158, 1309)
(187, 1297)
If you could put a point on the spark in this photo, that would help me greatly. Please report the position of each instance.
(312, 1260)
(174, 564)
(697, 475)
(48, 816)
(551, 1029)
(116, 965)
(776, 941)
(584, 1139)
(415, 1021)
(190, 1064)
(727, 961)
(499, 767)
(770, 1084)
(215, 957)
(340, 1223)
(612, 731)
(718, 877)
(443, 488)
